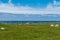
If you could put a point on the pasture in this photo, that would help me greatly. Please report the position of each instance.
(30, 32)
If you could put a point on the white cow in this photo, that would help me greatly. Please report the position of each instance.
(52, 25)
(2, 28)
(56, 25)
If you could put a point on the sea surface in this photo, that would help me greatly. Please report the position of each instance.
(23, 22)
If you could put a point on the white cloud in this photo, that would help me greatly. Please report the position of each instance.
(10, 8)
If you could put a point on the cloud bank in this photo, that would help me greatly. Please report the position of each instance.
(10, 8)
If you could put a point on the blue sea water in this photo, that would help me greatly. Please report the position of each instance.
(23, 22)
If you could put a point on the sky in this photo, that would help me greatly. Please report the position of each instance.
(31, 3)
(30, 6)
(32, 10)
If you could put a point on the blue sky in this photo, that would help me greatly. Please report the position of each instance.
(40, 7)
(32, 6)
(31, 3)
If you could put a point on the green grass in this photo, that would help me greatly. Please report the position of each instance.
(29, 32)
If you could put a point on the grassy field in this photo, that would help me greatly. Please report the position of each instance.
(29, 32)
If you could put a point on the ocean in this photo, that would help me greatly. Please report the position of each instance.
(23, 22)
